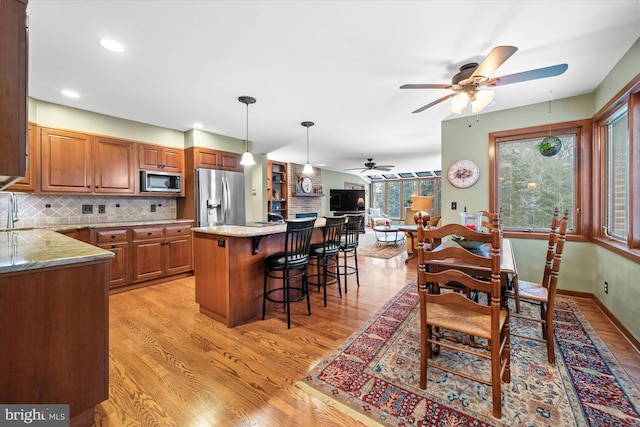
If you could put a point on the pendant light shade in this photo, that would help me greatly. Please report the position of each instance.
(308, 169)
(247, 157)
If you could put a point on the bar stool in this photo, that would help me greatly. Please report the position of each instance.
(289, 264)
(321, 253)
(349, 247)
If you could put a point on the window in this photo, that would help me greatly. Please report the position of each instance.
(391, 196)
(616, 200)
(527, 185)
(617, 159)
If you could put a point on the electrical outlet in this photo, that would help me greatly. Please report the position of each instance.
(87, 209)
(102, 209)
(606, 287)
(454, 206)
(153, 208)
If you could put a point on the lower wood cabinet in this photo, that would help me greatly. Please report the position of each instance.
(145, 253)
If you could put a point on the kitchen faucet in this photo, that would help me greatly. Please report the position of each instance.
(12, 214)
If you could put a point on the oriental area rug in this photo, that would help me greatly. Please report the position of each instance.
(374, 375)
(367, 246)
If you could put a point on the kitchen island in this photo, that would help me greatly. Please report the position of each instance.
(229, 268)
(53, 322)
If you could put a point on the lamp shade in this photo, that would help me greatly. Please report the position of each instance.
(422, 205)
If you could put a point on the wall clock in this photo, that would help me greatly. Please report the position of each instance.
(463, 173)
(306, 185)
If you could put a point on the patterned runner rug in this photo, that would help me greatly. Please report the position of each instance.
(373, 376)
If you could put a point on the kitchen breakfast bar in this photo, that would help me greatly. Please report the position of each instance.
(229, 268)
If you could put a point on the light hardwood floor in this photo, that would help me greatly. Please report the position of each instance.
(172, 366)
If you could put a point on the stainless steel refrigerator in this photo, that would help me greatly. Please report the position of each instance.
(219, 198)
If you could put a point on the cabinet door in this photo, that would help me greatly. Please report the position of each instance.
(178, 254)
(13, 102)
(65, 161)
(149, 157)
(205, 158)
(172, 160)
(114, 170)
(28, 183)
(118, 266)
(148, 259)
(230, 161)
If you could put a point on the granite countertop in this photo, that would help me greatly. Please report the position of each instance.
(66, 227)
(22, 250)
(259, 229)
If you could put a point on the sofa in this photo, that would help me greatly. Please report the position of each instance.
(376, 217)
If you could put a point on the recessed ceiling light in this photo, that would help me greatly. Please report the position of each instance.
(70, 93)
(198, 126)
(111, 45)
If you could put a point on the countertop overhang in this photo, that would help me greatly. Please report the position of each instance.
(22, 250)
(249, 231)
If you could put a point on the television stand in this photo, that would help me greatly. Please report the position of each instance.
(340, 213)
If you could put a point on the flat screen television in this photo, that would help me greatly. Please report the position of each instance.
(345, 200)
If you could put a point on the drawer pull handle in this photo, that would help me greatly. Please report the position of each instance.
(113, 246)
(113, 236)
(149, 233)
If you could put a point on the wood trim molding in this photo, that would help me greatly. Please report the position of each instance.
(623, 330)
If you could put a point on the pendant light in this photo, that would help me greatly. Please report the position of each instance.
(308, 169)
(247, 157)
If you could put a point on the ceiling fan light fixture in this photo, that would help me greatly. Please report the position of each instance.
(482, 99)
(459, 102)
(308, 169)
(247, 157)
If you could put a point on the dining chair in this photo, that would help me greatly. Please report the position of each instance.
(322, 253)
(287, 265)
(454, 323)
(512, 290)
(544, 294)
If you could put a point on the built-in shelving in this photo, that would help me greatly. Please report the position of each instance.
(277, 188)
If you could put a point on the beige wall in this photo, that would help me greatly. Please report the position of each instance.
(585, 266)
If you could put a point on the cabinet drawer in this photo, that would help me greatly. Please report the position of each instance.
(148, 233)
(107, 236)
(178, 230)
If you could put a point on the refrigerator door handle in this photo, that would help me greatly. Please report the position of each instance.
(225, 199)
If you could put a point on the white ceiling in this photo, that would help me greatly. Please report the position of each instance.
(337, 63)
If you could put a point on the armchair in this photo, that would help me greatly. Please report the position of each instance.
(376, 217)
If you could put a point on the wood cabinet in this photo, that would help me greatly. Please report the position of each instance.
(161, 250)
(113, 169)
(13, 101)
(156, 157)
(117, 242)
(277, 188)
(73, 162)
(217, 159)
(28, 183)
(65, 161)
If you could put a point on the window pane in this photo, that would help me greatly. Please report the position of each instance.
(378, 195)
(393, 199)
(532, 185)
(618, 178)
(408, 189)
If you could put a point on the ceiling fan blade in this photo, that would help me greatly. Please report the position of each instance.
(382, 169)
(494, 60)
(426, 86)
(383, 166)
(437, 101)
(354, 169)
(539, 73)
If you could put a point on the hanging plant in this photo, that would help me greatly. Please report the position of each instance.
(550, 146)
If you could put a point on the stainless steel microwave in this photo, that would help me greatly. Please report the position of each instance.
(164, 182)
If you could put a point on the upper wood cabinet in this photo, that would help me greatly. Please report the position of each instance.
(217, 159)
(114, 170)
(73, 162)
(13, 101)
(65, 161)
(28, 183)
(156, 157)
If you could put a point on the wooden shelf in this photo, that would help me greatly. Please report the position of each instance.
(309, 195)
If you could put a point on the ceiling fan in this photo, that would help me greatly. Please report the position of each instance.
(370, 165)
(467, 84)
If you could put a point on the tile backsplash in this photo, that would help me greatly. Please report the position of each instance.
(45, 210)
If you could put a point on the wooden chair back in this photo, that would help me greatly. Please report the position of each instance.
(551, 245)
(554, 271)
(487, 220)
